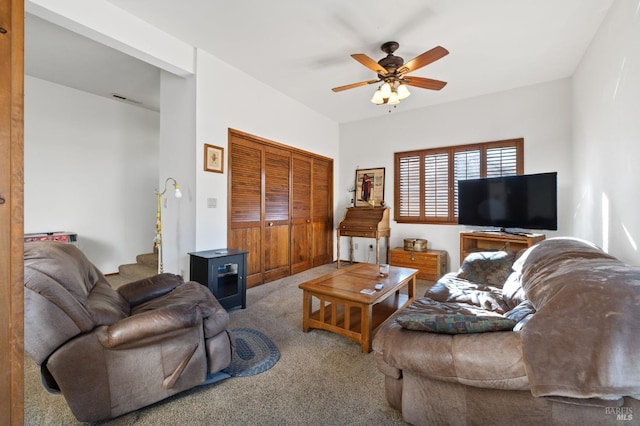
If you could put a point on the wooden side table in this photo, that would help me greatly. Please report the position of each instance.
(431, 264)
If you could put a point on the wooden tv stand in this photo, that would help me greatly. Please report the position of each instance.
(489, 241)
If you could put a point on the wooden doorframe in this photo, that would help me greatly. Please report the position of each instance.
(11, 212)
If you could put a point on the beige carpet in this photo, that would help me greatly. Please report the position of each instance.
(320, 379)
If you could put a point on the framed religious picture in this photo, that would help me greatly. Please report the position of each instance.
(213, 158)
(369, 188)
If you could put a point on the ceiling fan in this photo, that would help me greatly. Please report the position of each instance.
(392, 71)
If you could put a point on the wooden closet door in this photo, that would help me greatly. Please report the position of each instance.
(245, 204)
(322, 211)
(280, 207)
(277, 169)
(301, 226)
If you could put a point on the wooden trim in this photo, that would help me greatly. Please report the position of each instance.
(11, 211)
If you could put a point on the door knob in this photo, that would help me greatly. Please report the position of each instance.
(1, 200)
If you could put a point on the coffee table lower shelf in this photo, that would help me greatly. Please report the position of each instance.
(347, 318)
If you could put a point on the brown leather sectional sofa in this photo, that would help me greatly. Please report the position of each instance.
(569, 354)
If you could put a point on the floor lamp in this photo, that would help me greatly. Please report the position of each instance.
(157, 242)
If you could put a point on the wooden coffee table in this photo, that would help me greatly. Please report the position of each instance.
(342, 309)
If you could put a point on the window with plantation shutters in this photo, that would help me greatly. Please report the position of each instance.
(426, 181)
(408, 172)
(502, 161)
(436, 186)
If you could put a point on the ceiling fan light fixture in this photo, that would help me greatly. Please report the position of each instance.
(385, 89)
(403, 92)
(393, 99)
(377, 98)
(391, 71)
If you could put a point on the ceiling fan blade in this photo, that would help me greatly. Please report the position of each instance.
(424, 59)
(369, 63)
(424, 83)
(354, 85)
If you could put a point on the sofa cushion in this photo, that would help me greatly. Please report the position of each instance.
(488, 360)
(105, 305)
(454, 323)
(487, 267)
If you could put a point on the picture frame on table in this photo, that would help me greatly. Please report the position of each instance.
(369, 187)
(213, 158)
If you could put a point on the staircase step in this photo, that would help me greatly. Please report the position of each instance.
(117, 280)
(136, 271)
(148, 259)
(146, 266)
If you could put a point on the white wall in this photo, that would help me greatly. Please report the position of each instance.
(102, 21)
(177, 159)
(541, 114)
(606, 124)
(228, 98)
(90, 167)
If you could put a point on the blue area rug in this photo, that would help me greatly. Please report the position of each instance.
(253, 353)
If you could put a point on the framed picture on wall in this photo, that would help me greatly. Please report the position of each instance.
(369, 187)
(213, 158)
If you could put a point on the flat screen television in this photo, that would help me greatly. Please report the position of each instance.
(520, 201)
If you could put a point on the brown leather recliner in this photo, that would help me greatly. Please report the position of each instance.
(111, 351)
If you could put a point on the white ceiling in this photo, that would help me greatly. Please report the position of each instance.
(302, 47)
(56, 54)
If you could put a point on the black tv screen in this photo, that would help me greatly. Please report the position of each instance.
(520, 201)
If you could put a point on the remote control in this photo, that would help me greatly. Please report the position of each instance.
(379, 286)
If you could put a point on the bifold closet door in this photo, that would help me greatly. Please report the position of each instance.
(322, 212)
(277, 169)
(245, 204)
(280, 207)
(301, 223)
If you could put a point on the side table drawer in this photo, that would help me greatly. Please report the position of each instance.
(431, 264)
